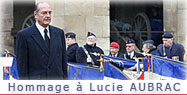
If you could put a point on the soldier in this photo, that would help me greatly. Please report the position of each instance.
(169, 49)
(83, 54)
(72, 47)
(130, 50)
(148, 47)
(114, 50)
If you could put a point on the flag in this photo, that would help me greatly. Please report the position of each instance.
(120, 62)
(12, 71)
(78, 71)
(147, 63)
(6, 73)
(168, 68)
(114, 68)
(114, 72)
(119, 68)
(6, 69)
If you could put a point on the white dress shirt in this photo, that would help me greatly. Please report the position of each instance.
(41, 29)
(131, 54)
(115, 55)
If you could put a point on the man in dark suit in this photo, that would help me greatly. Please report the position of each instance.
(72, 47)
(114, 50)
(170, 49)
(130, 50)
(84, 54)
(41, 49)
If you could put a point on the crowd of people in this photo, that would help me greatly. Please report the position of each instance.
(168, 49)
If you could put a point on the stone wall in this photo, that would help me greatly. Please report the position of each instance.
(81, 16)
(182, 22)
(7, 41)
(1, 42)
(175, 19)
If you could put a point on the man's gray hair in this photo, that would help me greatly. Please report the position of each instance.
(150, 46)
(36, 6)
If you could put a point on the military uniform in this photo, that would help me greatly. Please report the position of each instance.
(71, 52)
(127, 56)
(84, 53)
(81, 56)
(174, 50)
(133, 53)
(119, 54)
(115, 45)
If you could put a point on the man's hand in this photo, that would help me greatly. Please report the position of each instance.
(89, 59)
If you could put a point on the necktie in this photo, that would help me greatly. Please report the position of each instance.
(128, 56)
(47, 40)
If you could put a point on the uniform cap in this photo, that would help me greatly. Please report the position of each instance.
(90, 34)
(148, 41)
(70, 35)
(130, 41)
(167, 35)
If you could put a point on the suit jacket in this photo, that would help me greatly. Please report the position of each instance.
(35, 60)
(121, 55)
(135, 54)
(71, 52)
(175, 50)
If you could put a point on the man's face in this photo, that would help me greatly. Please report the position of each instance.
(145, 49)
(114, 50)
(91, 40)
(130, 47)
(167, 42)
(70, 41)
(43, 15)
